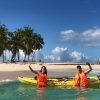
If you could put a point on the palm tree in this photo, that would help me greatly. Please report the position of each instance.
(31, 41)
(15, 43)
(21, 39)
(37, 42)
(3, 40)
(27, 41)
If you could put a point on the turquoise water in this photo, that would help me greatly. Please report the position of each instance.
(18, 91)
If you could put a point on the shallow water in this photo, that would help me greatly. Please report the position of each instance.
(70, 73)
(13, 90)
(17, 91)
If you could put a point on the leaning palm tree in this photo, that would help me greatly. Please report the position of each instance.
(37, 42)
(3, 40)
(26, 40)
(15, 44)
(22, 39)
(31, 42)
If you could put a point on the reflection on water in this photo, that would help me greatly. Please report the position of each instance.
(41, 89)
(81, 90)
(17, 91)
(81, 98)
(41, 93)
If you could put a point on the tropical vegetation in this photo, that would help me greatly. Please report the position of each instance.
(24, 39)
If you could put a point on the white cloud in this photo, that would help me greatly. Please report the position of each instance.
(8, 55)
(51, 58)
(91, 34)
(35, 57)
(38, 56)
(60, 54)
(90, 37)
(21, 54)
(76, 54)
(67, 35)
(59, 50)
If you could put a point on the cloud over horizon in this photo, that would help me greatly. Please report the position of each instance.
(90, 37)
(58, 54)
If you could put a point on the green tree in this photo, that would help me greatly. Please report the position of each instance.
(26, 41)
(21, 39)
(3, 40)
(31, 41)
(37, 42)
(15, 43)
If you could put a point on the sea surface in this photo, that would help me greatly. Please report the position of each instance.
(17, 91)
(14, 90)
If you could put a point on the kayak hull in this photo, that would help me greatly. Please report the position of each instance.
(93, 82)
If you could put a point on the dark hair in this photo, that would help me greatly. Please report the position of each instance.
(45, 70)
(78, 66)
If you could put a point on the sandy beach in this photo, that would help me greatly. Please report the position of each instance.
(11, 71)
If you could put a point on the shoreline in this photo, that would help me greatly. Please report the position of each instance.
(37, 66)
(12, 71)
(13, 75)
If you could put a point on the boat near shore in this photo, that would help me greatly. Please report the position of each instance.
(94, 81)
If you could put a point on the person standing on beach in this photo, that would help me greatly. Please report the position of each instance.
(81, 76)
(41, 76)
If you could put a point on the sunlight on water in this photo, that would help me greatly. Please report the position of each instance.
(18, 91)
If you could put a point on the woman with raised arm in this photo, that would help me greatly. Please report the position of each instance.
(41, 76)
(81, 76)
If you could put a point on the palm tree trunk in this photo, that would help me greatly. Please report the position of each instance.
(13, 57)
(28, 58)
(3, 56)
(24, 58)
(18, 56)
(33, 56)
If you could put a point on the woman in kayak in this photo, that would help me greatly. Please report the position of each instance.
(81, 76)
(41, 76)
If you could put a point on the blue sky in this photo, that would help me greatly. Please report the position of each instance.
(71, 24)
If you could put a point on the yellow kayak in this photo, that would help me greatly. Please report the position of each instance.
(93, 81)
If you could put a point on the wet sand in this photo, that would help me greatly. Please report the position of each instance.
(12, 71)
(13, 75)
